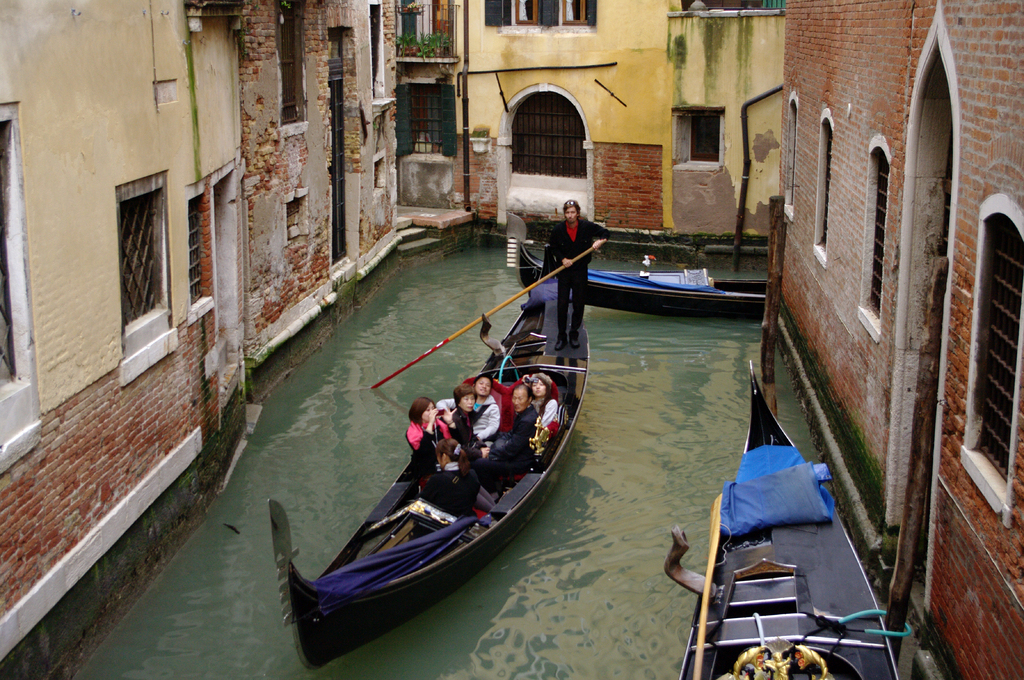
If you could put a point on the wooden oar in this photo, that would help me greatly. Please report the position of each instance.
(716, 532)
(465, 328)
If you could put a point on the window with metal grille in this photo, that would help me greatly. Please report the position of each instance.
(425, 117)
(290, 56)
(881, 206)
(6, 322)
(139, 272)
(1001, 348)
(826, 182)
(195, 249)
(547, 137)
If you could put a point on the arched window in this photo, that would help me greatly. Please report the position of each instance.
(547, 137)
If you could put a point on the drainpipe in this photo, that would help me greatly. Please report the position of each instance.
(742, 211)
(465, 106)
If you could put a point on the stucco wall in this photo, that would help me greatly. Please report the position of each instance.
(89, 122)
(721, 60)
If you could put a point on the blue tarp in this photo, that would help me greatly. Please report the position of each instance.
(634, 281)
(340, 587)
(774, 487)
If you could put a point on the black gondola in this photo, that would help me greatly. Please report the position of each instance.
(688, 292)
(400, 519)
(783, 600)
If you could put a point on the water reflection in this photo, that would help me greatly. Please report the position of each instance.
(579, 594)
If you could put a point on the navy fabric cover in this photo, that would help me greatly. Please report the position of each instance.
(545, 292)
(340, 587)
(792, 495)
(634, 281)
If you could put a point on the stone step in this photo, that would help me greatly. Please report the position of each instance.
(410, 233)
(403, 223)
(419, 245)
(439, 221)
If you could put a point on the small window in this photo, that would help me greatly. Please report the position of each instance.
(881, 200)
(698, 136)
(540, 12)
(574, 11)
(526, 11)
(7, 365)
(141, 236)
(824, 184)
(791, 155)
(195, 249)
(290, 56)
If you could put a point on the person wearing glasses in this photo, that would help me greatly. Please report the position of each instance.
(568, 240)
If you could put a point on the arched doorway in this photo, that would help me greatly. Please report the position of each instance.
(545, 154)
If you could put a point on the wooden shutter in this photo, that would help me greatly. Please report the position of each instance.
(497, 12)
(448, 133)
(591, 12)
(549, 12)
(403, 126)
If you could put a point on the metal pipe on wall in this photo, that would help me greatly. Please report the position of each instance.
(742, 210)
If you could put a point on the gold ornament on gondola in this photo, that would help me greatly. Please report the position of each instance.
(775, 661)
(540, 437)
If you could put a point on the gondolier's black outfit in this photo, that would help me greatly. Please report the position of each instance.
(573, 279)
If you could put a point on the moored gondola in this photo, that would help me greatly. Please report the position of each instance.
(685, 293)
(785, 592)
(408, 555)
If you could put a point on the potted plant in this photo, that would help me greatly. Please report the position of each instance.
(435, 44)
(408, 45)
(480, 138)
(412, 8)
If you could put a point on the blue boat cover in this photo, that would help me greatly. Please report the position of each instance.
(634, 281)
(774, 487)
(340, 587)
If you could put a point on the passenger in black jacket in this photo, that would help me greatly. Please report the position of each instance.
(569, 239)
(511, 453)
(455, 489)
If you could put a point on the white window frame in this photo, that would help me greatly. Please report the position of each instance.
(871, 320)
(790, 189)
(20, 425)
(997, 489)
(151, 337)
(821, 204)
(682, 131)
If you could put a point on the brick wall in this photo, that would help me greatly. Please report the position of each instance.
(483, 182)
(627, 185)
(94, 449)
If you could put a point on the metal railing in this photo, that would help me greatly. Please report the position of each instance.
(426, 29)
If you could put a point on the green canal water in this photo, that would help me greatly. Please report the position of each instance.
(580, 593)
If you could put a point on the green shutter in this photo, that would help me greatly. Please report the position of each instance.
(549, 12)
(448, 134)
(497, 12)
(403, 127)
(591, 12)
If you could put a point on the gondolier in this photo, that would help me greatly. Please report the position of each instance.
(569, 239)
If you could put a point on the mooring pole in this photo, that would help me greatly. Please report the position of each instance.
(772, 298)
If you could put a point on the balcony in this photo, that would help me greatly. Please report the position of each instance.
(425, 30)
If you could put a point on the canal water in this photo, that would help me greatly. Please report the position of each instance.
(579, 594)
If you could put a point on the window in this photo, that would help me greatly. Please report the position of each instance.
(698, 136)
(547, 137)
(141, 240)
(881, 201)
(993, 395)
(19, 397)
(540, 12)
(824, 184)
(791, 155)
(290, 55)
(425, 118)
(195, 249)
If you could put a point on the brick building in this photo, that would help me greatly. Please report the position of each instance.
(318, 139)
(120, 304)
(902, 148)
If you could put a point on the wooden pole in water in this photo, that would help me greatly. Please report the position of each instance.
(919, 472)
(772, 298)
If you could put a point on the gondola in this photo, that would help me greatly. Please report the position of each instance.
(785, 594)
(408, 555)
(685, 292)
